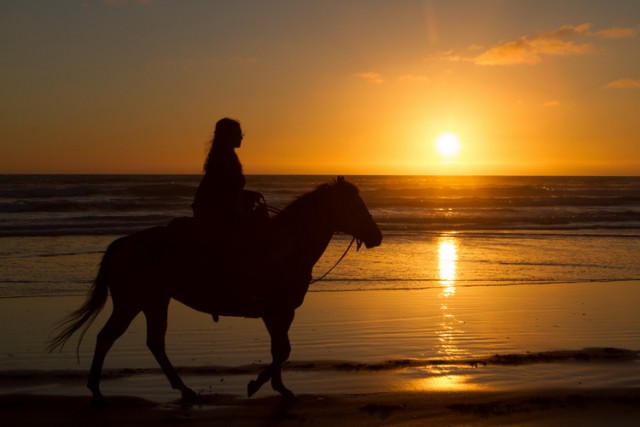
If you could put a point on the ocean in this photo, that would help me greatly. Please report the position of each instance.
(472, 272)
(471, 231)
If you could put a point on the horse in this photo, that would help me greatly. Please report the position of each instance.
(145, 270)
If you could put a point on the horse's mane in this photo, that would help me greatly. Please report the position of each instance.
(309, 201)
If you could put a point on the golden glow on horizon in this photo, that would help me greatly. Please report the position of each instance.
(448, 144)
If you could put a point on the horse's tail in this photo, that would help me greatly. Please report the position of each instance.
(87, 313)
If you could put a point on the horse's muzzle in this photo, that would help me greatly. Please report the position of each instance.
(374, 240)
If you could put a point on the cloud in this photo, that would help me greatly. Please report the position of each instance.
(508, 54)
(569, 30)
(616, 33)
(624, 84)
(371, 77)
(449, 56)
(532, 49)
(552, 103)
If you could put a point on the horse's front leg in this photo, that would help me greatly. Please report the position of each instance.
(156, 315)
(278, 327)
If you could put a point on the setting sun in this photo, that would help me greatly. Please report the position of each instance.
(448, 144)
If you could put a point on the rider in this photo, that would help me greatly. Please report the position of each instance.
(217, 203)
(221, 207)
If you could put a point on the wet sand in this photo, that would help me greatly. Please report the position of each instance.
(519, 355)
(540, 408)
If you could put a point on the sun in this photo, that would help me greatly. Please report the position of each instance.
(448, 144)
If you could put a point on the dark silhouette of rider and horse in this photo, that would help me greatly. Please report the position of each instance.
(230, 259)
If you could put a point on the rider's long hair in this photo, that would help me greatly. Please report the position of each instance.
(224, 136)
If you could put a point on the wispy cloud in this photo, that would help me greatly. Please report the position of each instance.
(552, 103)
(372, 77)
(624, 84)
(533, 49)
(617, 33)
(450, 56)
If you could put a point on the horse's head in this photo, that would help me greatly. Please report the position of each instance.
(354, 217)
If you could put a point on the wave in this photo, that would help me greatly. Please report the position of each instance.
(582, 356)
(122, 218)
(51, 255)
(54, 288)
(88, 226)
(50, 205)
(100, 205)
(358, 285)
(502, 202)
(68, 193)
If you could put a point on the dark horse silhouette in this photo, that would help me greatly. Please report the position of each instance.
(144, 270)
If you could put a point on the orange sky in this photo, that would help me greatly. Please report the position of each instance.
(329, 87)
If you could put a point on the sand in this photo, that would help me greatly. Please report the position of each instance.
(521, 355)
(540, 408)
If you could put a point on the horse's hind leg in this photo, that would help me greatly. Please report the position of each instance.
(117, 324)
(156, 330)
(280, 351)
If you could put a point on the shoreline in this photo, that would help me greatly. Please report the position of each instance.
(589, 357)
(579, 371)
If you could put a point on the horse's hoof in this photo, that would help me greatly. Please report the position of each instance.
(252, 388)
(189, 396)
(287, 396)
(98, 401)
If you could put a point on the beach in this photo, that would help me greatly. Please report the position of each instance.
(488, 357)
(542, 408)
(491, 301)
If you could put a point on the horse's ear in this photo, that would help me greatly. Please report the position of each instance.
(340, 179)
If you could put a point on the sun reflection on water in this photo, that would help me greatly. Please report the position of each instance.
(444, 376)
(447, 262)
(447, 381)
(449, 326)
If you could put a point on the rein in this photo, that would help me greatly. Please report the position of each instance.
(337, 262)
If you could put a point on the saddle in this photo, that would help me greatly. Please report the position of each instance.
(229, 260)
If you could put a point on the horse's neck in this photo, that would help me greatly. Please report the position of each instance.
(312, 246)
(311, 235)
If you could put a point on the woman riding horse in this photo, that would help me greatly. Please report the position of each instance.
(145, 270)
